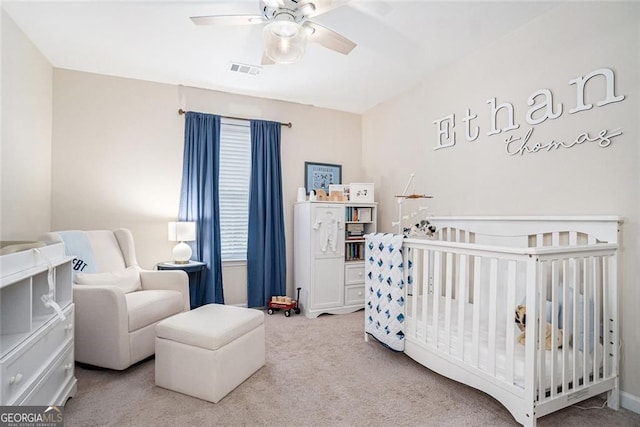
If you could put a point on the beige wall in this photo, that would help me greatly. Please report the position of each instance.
(117, 156)
(25, 154)
(478, 178)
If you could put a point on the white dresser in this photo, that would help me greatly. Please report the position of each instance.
(36, 327)
(329, 255)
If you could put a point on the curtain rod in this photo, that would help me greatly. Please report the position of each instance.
(289, 125)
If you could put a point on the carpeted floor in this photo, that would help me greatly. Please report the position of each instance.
(319, 372)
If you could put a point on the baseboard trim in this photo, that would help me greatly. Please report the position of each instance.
(630, 402)
(240, 305)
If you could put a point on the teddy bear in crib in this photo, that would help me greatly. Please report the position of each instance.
(422, 228)
(521, 321)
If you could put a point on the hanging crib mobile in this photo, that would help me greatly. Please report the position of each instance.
(405, 223)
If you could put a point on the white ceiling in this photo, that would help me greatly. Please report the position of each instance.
(398, 43)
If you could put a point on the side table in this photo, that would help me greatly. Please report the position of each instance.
(194, 269)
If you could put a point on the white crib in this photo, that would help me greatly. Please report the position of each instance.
(463, 289)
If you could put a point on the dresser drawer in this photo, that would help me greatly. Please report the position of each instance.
(354, 273)
(354, 295)
(21, 367)
(54, 381)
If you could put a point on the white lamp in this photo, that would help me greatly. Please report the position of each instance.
(182, 232)
(284, 40)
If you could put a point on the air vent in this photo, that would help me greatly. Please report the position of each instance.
(245, 69)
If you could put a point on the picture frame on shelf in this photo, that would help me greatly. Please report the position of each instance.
(319, 176)
(361, 192)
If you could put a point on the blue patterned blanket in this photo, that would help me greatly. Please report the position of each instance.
(384, 289)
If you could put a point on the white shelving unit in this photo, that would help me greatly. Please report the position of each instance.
(329, 255)
(36, 340)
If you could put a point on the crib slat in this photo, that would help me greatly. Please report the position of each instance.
(462, 302)
(555, 272)
(573, 238)
(493, 297)
(530, 357)
(539, 240)
(606, 339)
(510, 324)
(610, 357)
(565, 332)
(415, 289)
(420, 266)
(437, 294)
(590, 305)
(426, 291)
(595, 310)
(476, 310)
(575, 280)
(584, 320)
(555, 239)
(540, 338)
(447, 302)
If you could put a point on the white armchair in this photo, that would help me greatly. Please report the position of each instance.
(117, 308)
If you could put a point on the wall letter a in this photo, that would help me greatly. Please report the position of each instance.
(547, 105)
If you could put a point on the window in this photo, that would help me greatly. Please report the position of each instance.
(234, 178)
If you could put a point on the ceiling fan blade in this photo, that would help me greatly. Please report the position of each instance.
(274, 3)
(329, 38)
(322, 6)
(228, 20)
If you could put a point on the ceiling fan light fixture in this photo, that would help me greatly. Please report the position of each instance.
(309, 29)
(288, 29)
(307, 8)
(284, 41)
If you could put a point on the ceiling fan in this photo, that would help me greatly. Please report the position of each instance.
(288, 28)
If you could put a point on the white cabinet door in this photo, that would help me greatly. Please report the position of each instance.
(327, 240)
(328, 284)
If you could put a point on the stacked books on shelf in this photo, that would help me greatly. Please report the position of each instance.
(355, 252)
(355, 231)
(355, 214)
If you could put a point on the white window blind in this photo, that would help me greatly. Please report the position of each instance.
(235, 173)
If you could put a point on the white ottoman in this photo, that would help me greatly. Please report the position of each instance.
(209, 351)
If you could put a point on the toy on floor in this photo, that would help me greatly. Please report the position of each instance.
(521, 321)
(285, 303)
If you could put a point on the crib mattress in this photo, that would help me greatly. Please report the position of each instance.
(563, 356)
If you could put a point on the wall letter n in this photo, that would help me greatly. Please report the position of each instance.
(580, 82)
(445, 125)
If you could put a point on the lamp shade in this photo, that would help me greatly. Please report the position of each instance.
(182, 231)
(285, 41)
